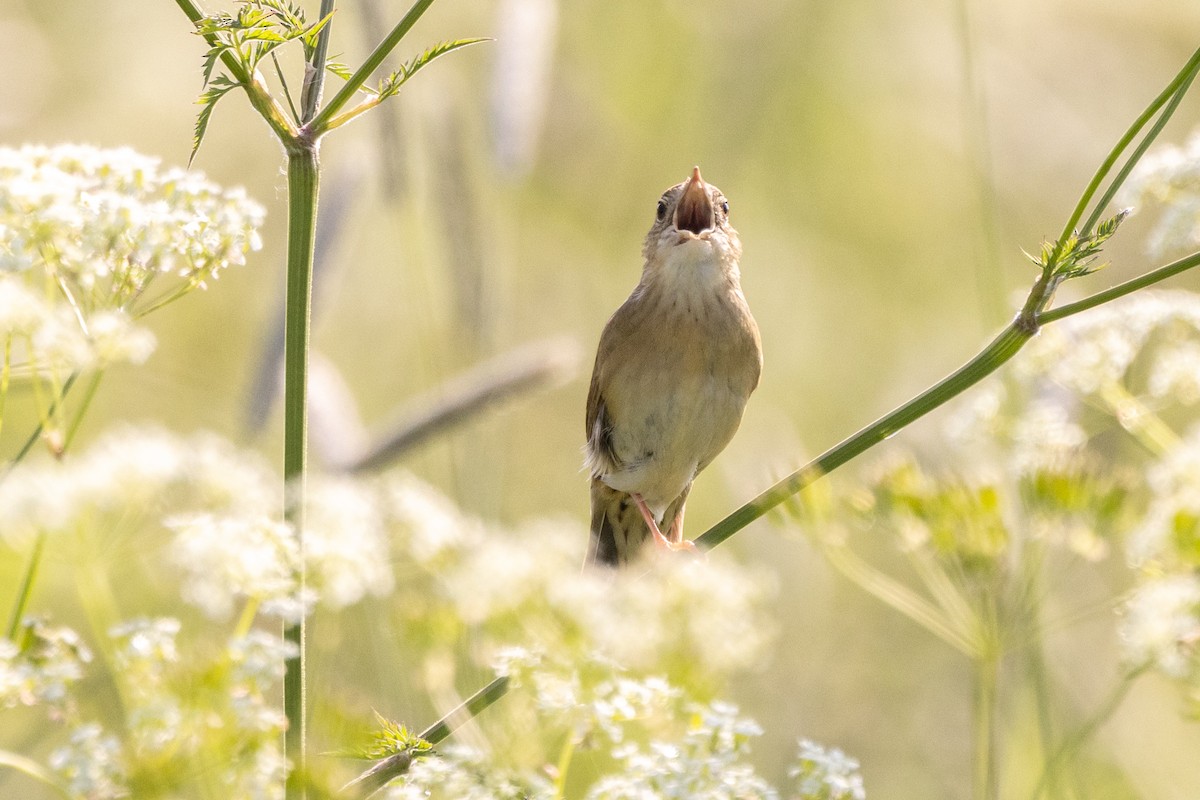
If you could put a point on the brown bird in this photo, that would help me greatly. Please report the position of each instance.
(674, 368)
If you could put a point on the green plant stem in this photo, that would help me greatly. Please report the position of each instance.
(314, 77)
(396, 765)
(256, 90)
(88, 396)
(303, 175)
(1121, 289)
(1140, 150)
(36, 771)
(1002, 348)
(26, 588)
(41, 426)
(319, 124)
(987, 673)
(1080, 735)
(563, 767)
(1184, 76)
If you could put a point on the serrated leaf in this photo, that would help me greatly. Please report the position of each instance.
(392, 83)
(217, 88)
(339, 69)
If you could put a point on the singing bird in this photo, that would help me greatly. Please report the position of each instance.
(675, 366)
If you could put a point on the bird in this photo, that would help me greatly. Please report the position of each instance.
(675, 366)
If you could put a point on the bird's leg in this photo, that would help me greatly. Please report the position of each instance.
(651, 523)
(676, 541)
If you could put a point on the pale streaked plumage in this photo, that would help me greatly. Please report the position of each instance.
(674, 368)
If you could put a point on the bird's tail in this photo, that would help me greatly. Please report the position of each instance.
(618, 529)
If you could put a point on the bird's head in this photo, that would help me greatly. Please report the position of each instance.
(691, 223)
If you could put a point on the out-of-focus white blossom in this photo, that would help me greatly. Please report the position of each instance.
(345, 542)
(822, 773)
(231, 559)
(1174, 510)
(461, 773)
(1161, 625)
(136, 471)
(90, 239)
(1168, 176)
(92, 764)
(41, 666)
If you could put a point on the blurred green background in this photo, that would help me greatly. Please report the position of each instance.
(884, 161)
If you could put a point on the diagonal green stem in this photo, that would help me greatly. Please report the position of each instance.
(1033, 314)
(1184, 76)
(1002, 348)
(1121, 289)
(318, 124)
(394, 766)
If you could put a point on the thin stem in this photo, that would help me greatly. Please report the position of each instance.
(1184, 75)
(394, 766)
(41, 426)
(1085, 731)
(257, 91)
(563, 767)
(319, 123)
(287, 93)
(1138, 152)
(1002, 348)
(26, 588)
(88, 397)
(314, 71)
(898, 596)
(1121, 289)
(987, 673)
(303, 179)
(988, 272)
(36, 771)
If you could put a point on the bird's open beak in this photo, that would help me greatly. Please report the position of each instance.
(695, 210)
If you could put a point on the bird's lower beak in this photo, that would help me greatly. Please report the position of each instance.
(695, 210)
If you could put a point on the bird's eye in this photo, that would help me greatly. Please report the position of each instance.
(661, 213)
(725, 207)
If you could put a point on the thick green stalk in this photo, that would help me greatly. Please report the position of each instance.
(303, 175)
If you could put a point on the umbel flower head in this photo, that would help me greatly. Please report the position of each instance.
(92, 239)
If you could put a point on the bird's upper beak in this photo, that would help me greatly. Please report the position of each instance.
(695, 211)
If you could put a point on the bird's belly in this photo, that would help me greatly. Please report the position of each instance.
(669, 429)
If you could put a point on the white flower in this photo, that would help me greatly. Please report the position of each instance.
(345, 542)
(1161, 624)
(825, 774)
(226, 559)
(92, 763)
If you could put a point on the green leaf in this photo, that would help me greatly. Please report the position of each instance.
(392, 83)
(339, 69)
(216, 89)
(388, 740)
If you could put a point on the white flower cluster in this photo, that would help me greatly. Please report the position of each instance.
(41, 666)
(111, 220)
(664, 742)
(1161, 625)
(90, 239)
(825, 774)
(1169, 176)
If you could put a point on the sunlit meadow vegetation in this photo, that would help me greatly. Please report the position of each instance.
(154, 568)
